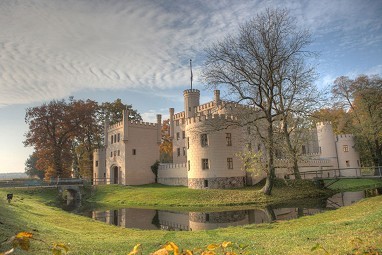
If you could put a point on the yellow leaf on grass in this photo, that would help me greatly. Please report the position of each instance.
(212, 247)
(162, 251)
(171, 246)
(208, 253)
(226, 244)
(24, 235)
(187, 252)
(136, 249)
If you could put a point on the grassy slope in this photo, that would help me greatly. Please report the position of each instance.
(335, 230)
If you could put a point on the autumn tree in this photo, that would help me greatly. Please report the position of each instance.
(51, 131)
(166, 144)
(255, 67)
(362, 99)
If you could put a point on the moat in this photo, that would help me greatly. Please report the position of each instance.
(151, 219)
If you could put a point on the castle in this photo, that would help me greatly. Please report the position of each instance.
(205, 149)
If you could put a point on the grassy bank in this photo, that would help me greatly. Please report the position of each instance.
(340, 231)
(160, 196)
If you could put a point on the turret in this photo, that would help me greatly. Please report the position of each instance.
(125, 120)
(159, 128)
(326, 140)
(217, 97)
(191, 100)
(171, 111)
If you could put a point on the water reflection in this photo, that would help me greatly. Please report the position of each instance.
(190, 221)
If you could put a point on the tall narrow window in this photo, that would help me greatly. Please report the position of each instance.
(228, 138)
(345, 148)
(96, 162)
(111, 139)
(183, 134)
(177, 136)
(134, 152)
(111, 154)
(184, 151)
(347, 163)
(203, 140)
(119, 152)
(115, 138)
(188, 165)
(229, 163)
(119, 137)
(205, 164)
(188, 142)
(178, 152)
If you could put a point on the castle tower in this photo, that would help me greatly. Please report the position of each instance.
(99, 168)
(326, 140)
(191, 100)
(217, 97)
(348, 157)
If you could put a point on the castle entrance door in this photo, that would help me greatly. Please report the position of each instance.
(116, 177)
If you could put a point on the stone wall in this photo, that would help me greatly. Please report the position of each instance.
(216, 183)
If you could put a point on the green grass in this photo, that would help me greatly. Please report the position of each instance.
(336, 230)
(355, 184)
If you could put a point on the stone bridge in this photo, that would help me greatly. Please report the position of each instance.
(73, 191)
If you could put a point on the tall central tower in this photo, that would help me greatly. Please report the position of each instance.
(191, 100)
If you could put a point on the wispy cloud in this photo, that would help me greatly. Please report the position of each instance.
(51, 49)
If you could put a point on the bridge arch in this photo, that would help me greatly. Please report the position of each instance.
(72, 192)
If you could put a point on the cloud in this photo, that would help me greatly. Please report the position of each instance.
(52, 49)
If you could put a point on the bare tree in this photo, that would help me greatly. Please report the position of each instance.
(256, 67)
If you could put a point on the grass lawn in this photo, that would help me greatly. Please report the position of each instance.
(339, 232)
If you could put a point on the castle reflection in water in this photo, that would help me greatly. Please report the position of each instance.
(190, 221)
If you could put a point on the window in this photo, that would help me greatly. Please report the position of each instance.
(189, 109)
(303, 148)
(188, 165)
(205, 163)
(134, 152)
(119, 152)
(178, 152)
(115, 138)
(96, 162)
(177, 122)
(347, 163)
(229, 163)
(119, 137)
(204, 140)
(188, 142)
(228, 138)
(345, 148)
(183, 134)
(184, 151)
(206, 186)
(111, 139)
(115, 153)
(111, 154)
(177, 136)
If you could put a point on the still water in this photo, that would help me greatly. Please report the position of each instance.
(149, 219)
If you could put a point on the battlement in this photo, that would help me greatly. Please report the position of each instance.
(164, 166)
(200, 119)
(307, 162)
(142, 124)
(191, 91)
(179, 115)
(344, 137)
(116, 126)
(132, 123)
(205, 106)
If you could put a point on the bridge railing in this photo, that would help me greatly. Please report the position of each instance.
(342, 172)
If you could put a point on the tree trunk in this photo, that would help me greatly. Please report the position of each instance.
(267, 189)
(292, 152)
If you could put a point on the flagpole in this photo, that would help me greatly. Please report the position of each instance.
(191, 71)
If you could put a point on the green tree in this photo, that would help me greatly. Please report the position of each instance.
(31, 169)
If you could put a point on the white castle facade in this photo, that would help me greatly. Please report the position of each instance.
(204, 155)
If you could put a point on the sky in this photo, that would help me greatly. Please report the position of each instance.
(139, 51)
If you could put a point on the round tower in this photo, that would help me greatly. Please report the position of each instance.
(211, 154)
(326, 140)
(99, 169)
(191, 100)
